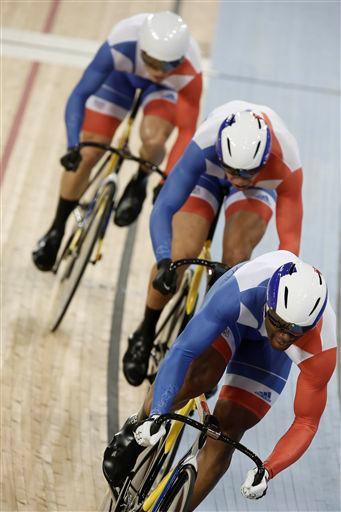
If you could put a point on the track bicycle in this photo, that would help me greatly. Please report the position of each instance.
(152, 485)
(84, 245)
(182, 306)
(180, 309)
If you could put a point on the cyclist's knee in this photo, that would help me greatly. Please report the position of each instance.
(189, 250)
(234, 254)
(154, 133)
(234, 419)
(91, 155)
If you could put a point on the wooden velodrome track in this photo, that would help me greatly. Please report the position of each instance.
(54, 387)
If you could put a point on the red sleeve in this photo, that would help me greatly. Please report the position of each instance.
(310, 401)
(289, 212)
(186, 118)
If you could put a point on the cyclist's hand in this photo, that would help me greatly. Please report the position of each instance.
(71, 160)
(165, 280)
(149, 432)
(254, 492)
(157, 190)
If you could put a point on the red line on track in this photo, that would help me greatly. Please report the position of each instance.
(27, 89)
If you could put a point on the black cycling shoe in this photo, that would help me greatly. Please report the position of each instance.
(121, 454)
(45, 254)
(131, 202)
(136, 359)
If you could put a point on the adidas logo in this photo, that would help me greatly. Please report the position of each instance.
(266, 395)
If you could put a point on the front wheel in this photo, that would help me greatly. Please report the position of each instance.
(74, 262)
(177, 498)
(107, 504)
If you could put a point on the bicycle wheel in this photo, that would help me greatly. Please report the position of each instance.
(138, 484)
(172, 322)
(107, 504)
(177, 498)
(75, 262)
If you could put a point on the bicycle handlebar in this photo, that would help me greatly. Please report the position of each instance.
(197, 261)
(124, 153)
(219, 436)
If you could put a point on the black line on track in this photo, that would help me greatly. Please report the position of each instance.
(115, 334)
(177, 6)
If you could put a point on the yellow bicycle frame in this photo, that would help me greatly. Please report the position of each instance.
(195, 281)
(170, 441)
(108, 170)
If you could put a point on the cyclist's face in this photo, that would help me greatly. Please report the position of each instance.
(238, 181)
(155, 68)
(157, 75)
(279, 339)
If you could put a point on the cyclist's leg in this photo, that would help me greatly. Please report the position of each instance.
(190, 229)
(156, 126)
(255, 377)
(103, 113)
(247, 215)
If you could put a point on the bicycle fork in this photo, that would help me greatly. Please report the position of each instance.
(111, 183)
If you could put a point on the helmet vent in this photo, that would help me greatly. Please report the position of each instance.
(286, 293)
(259, 123)
(316, 304)
(257, 148)
(320, 278)
(229, 146)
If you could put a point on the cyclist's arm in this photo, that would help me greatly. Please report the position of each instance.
(289, 212)
(310, 401)
(187, 113)
(95, 74)
(220, 309)
(176, 190)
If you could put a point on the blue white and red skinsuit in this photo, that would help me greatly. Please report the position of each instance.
(106, 90)
(195, 185)
(232, 321)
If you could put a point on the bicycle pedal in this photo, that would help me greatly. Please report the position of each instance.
(95, 260)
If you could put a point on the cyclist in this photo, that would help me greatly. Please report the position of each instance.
(152, 52)
(243, 147)
(257, 319)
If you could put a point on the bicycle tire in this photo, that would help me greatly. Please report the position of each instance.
(76, 264)
(107, 504)
(171, 326)
(178, 496)
(129, 497)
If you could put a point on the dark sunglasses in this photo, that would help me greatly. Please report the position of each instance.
(293, 329)
(160, 65)
(241, 173)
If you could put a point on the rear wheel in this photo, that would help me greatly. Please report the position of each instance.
(74, 262)
(178, 497)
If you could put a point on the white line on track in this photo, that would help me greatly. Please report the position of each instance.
(50, 48)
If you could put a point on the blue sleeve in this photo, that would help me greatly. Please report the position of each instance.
(220, 310)
(95, 74)
(179, 184)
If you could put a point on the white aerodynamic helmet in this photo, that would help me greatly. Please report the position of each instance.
(297, 293)
(164, 36)
(244, 141)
